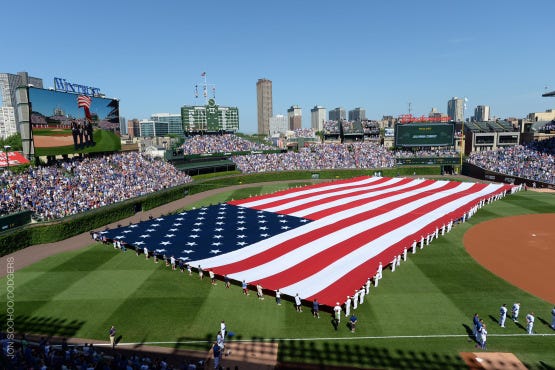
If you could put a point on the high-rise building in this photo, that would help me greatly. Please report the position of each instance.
(317, 118)
(358, 114)
(122, 126)
(337, 114)
(481, 113)
(264, 104)
(295, 117)
(133, 128)
(9, 84)
(455, 109)
(279, 124)
(161, 125)
(7, 122)
(171, 121)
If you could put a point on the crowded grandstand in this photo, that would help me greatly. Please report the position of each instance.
(79, 184)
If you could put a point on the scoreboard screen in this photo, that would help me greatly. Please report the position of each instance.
(60, 125)
(424, 134)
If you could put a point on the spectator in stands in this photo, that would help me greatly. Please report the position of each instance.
(227, 143)
(80, 184)
(535, 161)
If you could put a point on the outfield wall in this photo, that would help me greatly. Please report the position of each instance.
(474, 171)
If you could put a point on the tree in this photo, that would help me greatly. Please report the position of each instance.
(14, 141)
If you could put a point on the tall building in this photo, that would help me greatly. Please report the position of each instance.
(295, 117)
(7, 122)
(133, 128)
(122, 126)
(358, 114)
(317, 118)
(264, 104)
(481, 113)
(171, 121)
(455, 109)
(337, 114)
(9, 84)
(279, 124)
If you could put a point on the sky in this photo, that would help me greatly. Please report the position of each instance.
(377, 55)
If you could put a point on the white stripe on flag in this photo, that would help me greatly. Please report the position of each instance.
(303, 252)
(261, 246)
(325, 277)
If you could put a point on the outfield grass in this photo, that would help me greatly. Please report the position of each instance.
(434, 294)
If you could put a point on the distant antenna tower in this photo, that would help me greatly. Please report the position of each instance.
(410, 107)
(205, 86)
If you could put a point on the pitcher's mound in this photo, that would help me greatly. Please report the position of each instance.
(492, 361)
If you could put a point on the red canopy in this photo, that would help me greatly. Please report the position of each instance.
(16, 159)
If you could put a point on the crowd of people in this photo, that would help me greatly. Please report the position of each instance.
(317, 157)
(442, 153)
(350, 127)
(304, 133)
(535, 161)
(44, 354)
(80, 184)
(331, 127)
(226, 143)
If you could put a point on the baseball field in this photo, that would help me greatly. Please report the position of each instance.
(419, 317)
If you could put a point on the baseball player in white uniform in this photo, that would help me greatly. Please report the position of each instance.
(502, 315)
(515, 310)
(530, 323)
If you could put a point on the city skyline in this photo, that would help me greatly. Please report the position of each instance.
(385, 55)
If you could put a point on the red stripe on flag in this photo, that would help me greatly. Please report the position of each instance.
(295, 242)
(319, 261)
(344, 286)
(84, 101)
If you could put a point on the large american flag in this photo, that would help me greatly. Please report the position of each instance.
(84, 101)
(321, 241)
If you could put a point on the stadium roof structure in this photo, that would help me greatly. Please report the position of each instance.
(549, 94)
(489, 126)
